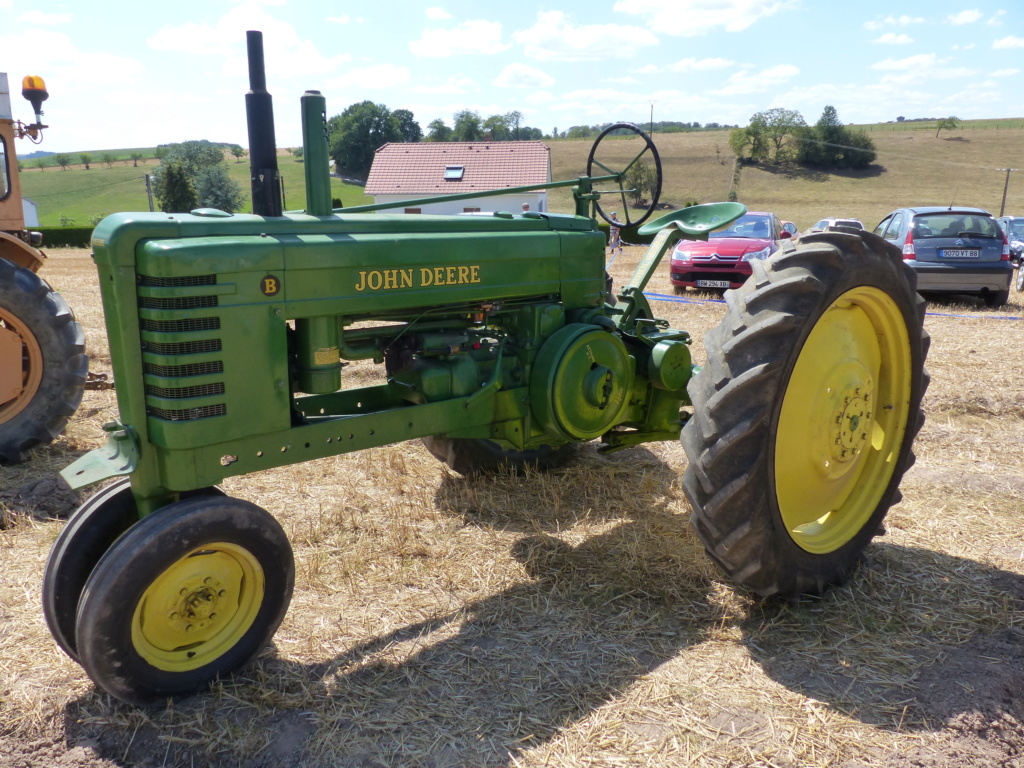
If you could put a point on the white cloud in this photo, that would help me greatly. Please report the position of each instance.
(553, 38)
(436, 13)
(920, 69)
(890, 38)
(376, 76)
(1004, 73)
(454, 86)
(700, 65)
(648, 69)
(1009, 42)
(745, 81)
(893, 21)
(44, 19)
(698, 17)
(477, 37)
(521, 76)
(622, 80)
(964, 17)
(996, 19)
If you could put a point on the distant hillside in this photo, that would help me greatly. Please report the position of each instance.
(914, 167)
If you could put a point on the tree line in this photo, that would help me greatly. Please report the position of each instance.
(358, 132)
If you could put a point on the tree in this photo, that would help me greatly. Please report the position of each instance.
(238, 152)
(578, 132)
(641, 179)
(950, 123)
(830, 144)
(86, 158)
(194, 156)
(135, 157)
(497, 127)
(217, 190)
(467, 126)
(175, 190)
(298, 153)
(41, 164)
(438, 131)
(108, 159)
(513, 120)
(357, 133)
(778, 125)
(860, 151)
(201, 163)
(63, 159)
(408, 126)
(750, 142)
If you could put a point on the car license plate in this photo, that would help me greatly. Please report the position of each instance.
(712, 283)
(960, 253)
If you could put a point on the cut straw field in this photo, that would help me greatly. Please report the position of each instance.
(571, 618)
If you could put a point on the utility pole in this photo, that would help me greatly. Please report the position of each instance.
(149, 190)
(1006, 186)
(652, 117)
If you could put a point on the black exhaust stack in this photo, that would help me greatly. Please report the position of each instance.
(259, 116)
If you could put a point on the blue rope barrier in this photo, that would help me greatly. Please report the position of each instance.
(678, 300)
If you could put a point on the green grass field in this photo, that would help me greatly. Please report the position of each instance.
(85, 196)
(914, 167)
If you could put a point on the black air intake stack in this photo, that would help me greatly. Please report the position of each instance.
(259, 116)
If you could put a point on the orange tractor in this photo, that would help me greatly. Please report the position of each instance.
(43, 365)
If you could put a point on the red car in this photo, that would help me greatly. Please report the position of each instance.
(724, 260)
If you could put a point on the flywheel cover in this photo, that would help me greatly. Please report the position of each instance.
(581, 381)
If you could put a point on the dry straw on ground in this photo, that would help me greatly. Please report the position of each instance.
(572, 619)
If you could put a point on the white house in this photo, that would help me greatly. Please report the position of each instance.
(409, 171)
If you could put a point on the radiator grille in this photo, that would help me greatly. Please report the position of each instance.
(182, 326)
(147, 281)
(176, 371)
(178, 302)
(188, 414)
(183, 347)
(179, 393)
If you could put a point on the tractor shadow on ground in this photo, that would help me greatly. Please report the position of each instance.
(496, 677)
(914, 640)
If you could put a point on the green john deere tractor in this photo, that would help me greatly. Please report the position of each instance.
(502, 345)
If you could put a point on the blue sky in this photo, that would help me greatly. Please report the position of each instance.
(124, 73)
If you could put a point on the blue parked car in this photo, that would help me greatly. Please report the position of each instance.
(953, 250)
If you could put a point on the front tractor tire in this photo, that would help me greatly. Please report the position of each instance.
(805, 415)
(187, 595)
(43, 365)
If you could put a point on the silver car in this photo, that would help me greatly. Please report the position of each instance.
(953, 250)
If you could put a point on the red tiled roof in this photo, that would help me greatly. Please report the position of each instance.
(418, 168)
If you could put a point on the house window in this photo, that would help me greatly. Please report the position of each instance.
(414, 210)
(471, 210)
(453, 172)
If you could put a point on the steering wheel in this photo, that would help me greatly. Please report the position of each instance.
(612, 154)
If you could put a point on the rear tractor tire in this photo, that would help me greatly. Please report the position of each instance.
(805, 415)
(43, 365)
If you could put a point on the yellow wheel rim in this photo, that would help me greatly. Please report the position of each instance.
(21, 366)
(199, 608)
(843, 419)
